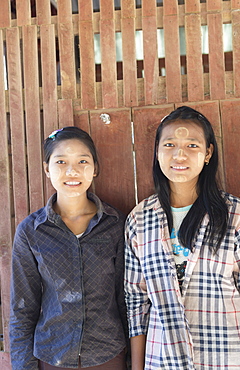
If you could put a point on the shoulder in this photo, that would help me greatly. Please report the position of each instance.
(149, 203)
(32, 220)
(231, 200)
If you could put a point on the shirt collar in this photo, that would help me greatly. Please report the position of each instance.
(48, 213)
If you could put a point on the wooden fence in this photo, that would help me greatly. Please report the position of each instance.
(49, 78)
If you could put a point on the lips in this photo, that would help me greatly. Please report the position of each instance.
(72, 183)
(179, 167)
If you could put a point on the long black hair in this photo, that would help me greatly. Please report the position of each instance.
(209, 201)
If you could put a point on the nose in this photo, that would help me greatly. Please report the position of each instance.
(71, 171)
(179, 154)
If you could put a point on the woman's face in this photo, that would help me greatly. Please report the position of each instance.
(70, 168)
(182, 151)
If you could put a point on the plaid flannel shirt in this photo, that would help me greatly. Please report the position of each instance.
(199, 329)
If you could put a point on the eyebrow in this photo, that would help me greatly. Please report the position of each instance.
(188, 138)
(65, 155)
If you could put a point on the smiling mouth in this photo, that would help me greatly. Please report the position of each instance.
(72, 183)
(179, 167)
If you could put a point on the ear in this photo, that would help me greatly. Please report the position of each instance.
(95, 170)
(209, 153)
(45, 167)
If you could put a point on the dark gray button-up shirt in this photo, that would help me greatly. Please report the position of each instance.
(67, 293)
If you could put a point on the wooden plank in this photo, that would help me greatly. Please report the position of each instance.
(150, 47)
(67, 61)
(172, 59)
(235, 4)
(23, 8)
(5, 14)
(5, 362)
(81, 120)
(5, 220)
(170, 7)
(192, 6)
(20, 189)
(214, 5)
(32, 111)
(194, 57)
(87, 59)
(236, 50)
(216, 57)
(113, 141)
(230, 112)
(65, 112)
(49, 86)
(43, 10)
(146, 121)
(64, 11)
(108, 54)
(130, 96)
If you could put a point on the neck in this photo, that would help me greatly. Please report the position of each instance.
(71, 207)
(182, 194)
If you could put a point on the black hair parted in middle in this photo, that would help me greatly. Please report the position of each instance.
(209, 201)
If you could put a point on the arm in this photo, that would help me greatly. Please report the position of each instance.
(25, 304)
(136, 296)
(138, 352)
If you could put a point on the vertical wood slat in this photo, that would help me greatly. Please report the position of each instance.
(151, 69)
(230, 112)
(65, 112)
(87, 59)
(49, 85)
(115, 183)
(236, 50)
(66, 50)
(172, 51)
(23, 12)
(5, 206)
(235, 4)
(5, 14)
(216, 52)
(20, 190)
(194, 57)
(43, 10)
(32, 109)
(146, 121)
(108, 54)
(128, 14)
(192, 6)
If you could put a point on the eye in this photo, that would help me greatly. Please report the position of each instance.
(83, 161)
(193, 146)
(169, 145)
(60, 161)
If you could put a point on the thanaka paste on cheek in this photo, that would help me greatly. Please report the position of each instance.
(88, 173)
(201, 158)
(55, 174)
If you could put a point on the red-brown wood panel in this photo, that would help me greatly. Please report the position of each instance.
(65, 112)
(5, 219)
(81, 120)
(172, 51)
(236, 50)
(43, 9)
(49, 86)
(66, 50)
(194, 57)
(5, 13)
(230, 111)
(33, 124)
(216, 52)
(235, 4)
(192, 6)
(87, 59)
(23, 12)
(150, 47)
(128, 13)
(115, 183)
(146, 121)
(108, 54)
(20, 190)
